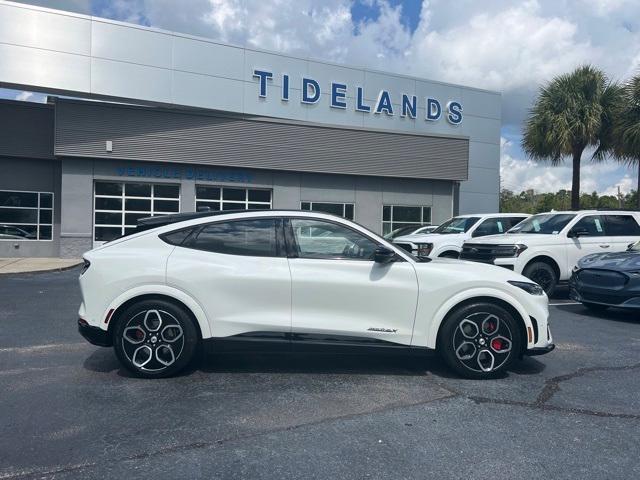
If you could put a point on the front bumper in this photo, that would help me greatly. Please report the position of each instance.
(532, 352)
(626, 296)
(94, 335)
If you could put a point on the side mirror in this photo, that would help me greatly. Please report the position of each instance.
(578, 232)
(384, 255)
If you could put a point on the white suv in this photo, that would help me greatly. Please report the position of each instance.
(447, 240)
(547, 246)
(299, 281)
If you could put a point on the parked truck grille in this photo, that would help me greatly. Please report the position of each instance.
(485, 253)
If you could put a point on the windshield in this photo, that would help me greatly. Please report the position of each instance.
(457, 225)
(401, 231)
(545, 223)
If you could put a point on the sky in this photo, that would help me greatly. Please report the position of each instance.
(505, 45)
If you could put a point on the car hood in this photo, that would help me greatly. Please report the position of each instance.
(427, 237)
(612, 261)
(513, 238)
(472, 269)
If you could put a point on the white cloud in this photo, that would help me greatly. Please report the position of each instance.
(24, 96)
(626, 184)
(513, 48)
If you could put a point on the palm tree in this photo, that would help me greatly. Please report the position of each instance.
(575, 111)
(626, 131)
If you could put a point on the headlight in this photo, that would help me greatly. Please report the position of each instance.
(519, 249)
(531, 288)
(424, 249)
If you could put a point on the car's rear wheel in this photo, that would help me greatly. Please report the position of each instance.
(595, 307)
(479, 340)
(543, 274)
(449, 254)
(155, 338)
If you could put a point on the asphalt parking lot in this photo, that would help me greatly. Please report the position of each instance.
(67, 410)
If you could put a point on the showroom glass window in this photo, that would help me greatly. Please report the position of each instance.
(255, 238)
(397, 216)
(327, 240)
(118, 206)
(26, 215)
(232, 198)
(344, 210)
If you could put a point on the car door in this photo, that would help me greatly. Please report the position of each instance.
(622, 229)
(339, 294)
(238, 272)
(586, 236)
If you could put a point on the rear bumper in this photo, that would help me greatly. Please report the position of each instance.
(94, 335)
(532, 352)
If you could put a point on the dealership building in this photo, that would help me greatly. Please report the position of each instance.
(143, 122)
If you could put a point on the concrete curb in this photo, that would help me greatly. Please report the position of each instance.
(12, 266)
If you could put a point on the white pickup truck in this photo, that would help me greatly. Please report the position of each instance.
(547, 246)
(447, 240)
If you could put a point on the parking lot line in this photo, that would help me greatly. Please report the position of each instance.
(563, 303)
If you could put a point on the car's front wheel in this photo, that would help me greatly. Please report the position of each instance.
(155, 338)
(543, 274)
(479, 340)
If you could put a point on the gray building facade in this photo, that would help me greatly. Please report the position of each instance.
(179, 123)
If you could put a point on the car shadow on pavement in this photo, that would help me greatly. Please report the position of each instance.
(611, 314)
(104, 361)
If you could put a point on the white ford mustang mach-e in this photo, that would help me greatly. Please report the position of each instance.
(269, 280)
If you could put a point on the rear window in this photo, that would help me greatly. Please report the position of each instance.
(621, 226)
(256, 238)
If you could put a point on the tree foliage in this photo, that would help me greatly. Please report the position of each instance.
(575, 111)
(626, 128)
(531, 202)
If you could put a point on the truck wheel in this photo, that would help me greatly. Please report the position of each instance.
(543, 274)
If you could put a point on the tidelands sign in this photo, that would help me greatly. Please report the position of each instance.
(311, 93)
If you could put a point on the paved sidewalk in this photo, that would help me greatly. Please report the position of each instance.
(24, 265)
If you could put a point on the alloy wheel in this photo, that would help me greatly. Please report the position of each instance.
(482, 342)
(152, 340)
(542, 278)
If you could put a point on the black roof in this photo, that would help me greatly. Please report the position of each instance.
(148, 223)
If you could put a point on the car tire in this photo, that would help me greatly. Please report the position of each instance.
(449, 254)
(479, 340)
(543, 274)
(595, 307)
(155, 338)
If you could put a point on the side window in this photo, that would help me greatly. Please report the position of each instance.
(622, 226)
(492, 226)
(177, 237)
(513, 221)
(322, 239)
(256, 238)
(590, 226)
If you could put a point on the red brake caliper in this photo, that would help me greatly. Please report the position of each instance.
(496, 343)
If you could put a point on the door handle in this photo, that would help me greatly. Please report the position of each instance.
(605, 246)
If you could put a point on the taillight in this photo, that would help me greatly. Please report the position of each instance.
(85, 266)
